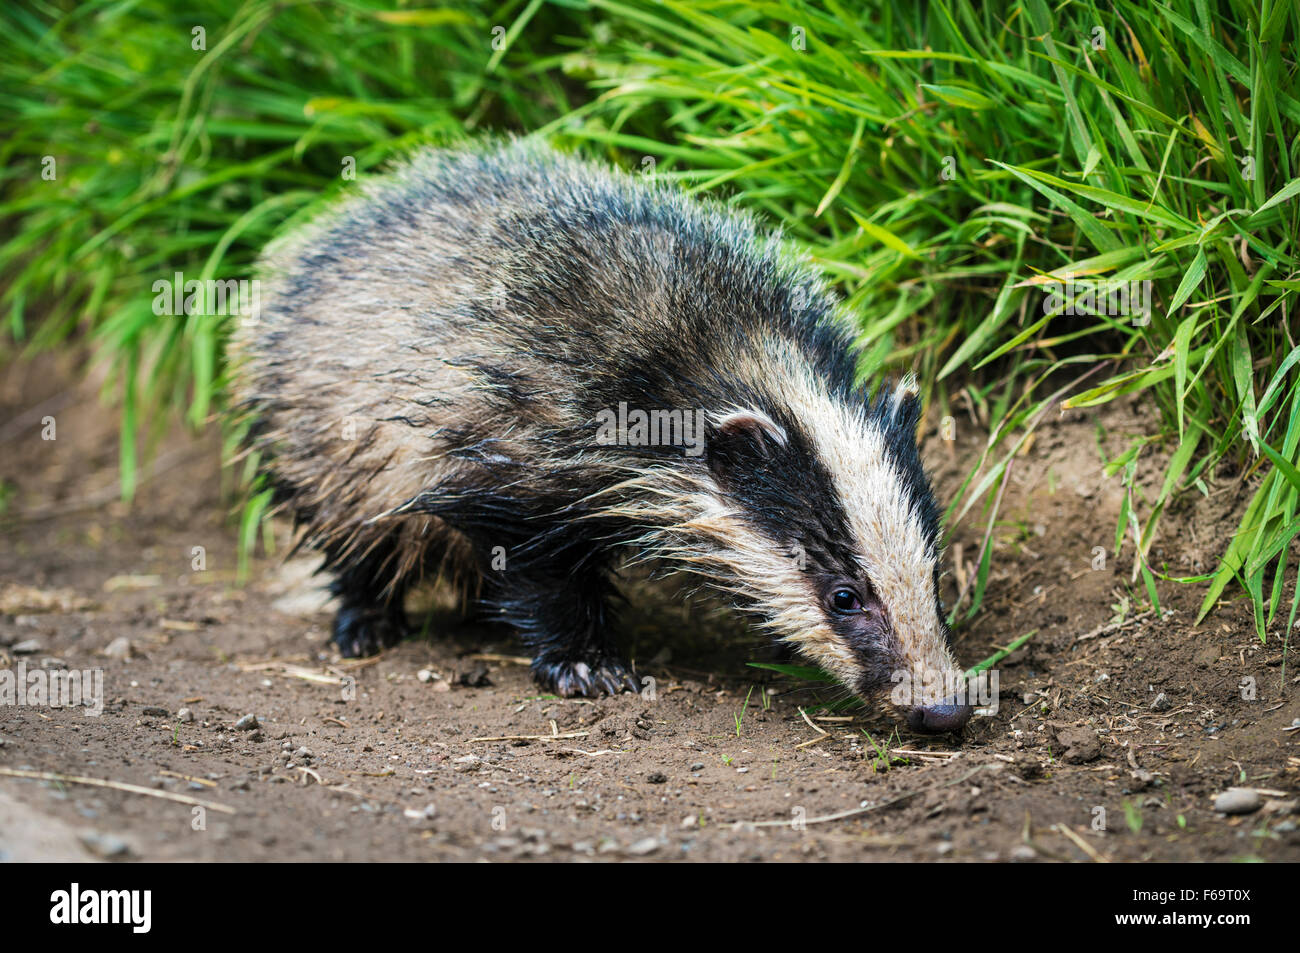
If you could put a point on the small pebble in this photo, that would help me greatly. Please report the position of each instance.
(1238, 801)
(119, 648)
(185, 716)
(106, 846)
(1161, 703)
(154, 711)
(247, 723)
(26, 647)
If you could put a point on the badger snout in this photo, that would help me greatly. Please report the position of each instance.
(947, 715)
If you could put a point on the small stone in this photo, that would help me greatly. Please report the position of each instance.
(424, 675)
(643, 847)
(1161, 703)
(1078, 745)
(26, 647)
(185, 716)
(247, 723)
(1238, 801)
(105, 846)
(155, 711)
(1023, 854)
(119, 648)
(476, 677)
(697, 766)
(657, 777)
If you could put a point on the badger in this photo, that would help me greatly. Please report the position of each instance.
(518, 371)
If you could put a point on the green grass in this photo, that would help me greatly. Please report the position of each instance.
(169, 158)
(940, 161)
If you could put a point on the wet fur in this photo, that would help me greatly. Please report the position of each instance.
(427, 373)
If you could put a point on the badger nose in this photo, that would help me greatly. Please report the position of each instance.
(938, 718)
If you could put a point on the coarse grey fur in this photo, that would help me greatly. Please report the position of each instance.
(436, 353)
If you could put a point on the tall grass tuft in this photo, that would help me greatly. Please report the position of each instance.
(143, 139)
(953, 164)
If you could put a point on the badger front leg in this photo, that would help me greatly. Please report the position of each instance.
(370, 616)
(564, 621)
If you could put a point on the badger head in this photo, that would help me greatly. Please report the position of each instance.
(826, 525)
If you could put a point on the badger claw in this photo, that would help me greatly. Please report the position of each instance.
(362, 631)
(574, 678)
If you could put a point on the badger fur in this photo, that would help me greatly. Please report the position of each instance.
(450, 375)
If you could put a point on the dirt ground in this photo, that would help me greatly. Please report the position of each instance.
(1116, 726)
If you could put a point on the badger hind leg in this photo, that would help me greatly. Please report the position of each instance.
(361, 630)
(370, 591)
(564, 621)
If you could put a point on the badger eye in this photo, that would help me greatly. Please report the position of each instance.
(846, 600)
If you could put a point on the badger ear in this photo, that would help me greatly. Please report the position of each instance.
(740, 435)
(905, 403)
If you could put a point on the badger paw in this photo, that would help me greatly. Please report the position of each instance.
(362, 631)
(573, 678)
